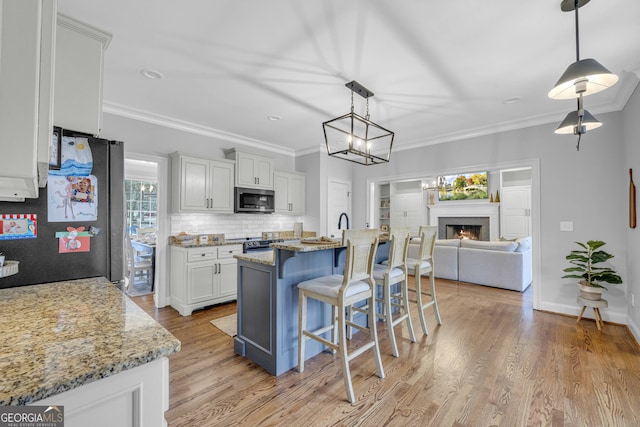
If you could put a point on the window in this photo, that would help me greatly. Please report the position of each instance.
(142, 204)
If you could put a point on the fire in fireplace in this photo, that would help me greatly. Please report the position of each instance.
(472, 232)
(476, 228)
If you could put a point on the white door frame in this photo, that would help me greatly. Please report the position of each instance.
(330, 180)
(161, 296)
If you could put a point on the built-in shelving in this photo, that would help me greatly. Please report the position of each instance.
(384, 204)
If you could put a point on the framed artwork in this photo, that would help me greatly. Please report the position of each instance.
(464, 186)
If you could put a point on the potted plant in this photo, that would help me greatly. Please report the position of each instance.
(584, 268)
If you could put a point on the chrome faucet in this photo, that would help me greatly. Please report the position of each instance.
(340, 220)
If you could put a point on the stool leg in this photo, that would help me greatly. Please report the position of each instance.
(419, 300)
(581, 313)
(386, 291)
(596, 313)
(302, 321)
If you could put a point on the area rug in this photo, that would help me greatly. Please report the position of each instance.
(227, 324)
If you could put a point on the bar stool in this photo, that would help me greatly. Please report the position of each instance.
(342, 291)
(422, 266)
(391, 272)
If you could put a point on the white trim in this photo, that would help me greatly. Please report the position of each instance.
(169, 122)
(161, 270)
(574, 310)
(635, 331)
(349, 210)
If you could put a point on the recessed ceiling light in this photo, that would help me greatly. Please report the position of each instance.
(274, 117)
(151, 74)
(512, 100)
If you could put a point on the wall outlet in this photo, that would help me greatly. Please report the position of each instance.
(566, 225)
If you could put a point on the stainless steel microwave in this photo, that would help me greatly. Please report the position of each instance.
(251, 200)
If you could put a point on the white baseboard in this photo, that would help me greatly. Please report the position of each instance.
(574, 310)
(635, 331)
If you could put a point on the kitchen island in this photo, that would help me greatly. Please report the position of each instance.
(86, 346)
(268, 300)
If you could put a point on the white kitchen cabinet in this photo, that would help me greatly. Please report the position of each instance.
(78, 75)
(134, 397)
(201, 185)
(203, 276)
(252, 170)
(27, 56)
(406, 211)
(289, 193)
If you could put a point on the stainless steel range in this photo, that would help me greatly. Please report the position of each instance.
(256, 244)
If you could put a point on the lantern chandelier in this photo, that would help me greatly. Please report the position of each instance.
(583, 77)
(355, 138)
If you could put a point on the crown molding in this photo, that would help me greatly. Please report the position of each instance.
(625, 88)
(169, 122)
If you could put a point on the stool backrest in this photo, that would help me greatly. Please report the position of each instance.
(427, 234)
(399, 241)
(361, 252)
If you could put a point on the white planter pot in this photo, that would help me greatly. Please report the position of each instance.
(590, 292)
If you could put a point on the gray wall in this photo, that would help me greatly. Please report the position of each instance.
(630, 117)
(589, 187)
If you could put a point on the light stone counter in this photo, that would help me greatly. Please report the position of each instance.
(63, 335)
(265, 257)
(300, 246)
(268, 257)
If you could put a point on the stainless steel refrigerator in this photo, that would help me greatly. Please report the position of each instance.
(40, 258)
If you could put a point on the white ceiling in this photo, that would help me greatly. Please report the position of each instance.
(440, 70)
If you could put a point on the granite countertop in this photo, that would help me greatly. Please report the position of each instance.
(309, 246)
(268, 257)
(193, 241)
(264, 257)
(62, 335)
(196, 244)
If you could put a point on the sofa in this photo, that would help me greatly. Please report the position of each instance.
(501, 264)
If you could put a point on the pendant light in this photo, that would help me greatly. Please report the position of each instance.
(355, 138)
(583, 77)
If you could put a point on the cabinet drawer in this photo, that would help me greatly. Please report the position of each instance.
(229, 251)
(203, 254)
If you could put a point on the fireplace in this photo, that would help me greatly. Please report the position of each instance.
(480, 220)
(474, 228)
(471, 232)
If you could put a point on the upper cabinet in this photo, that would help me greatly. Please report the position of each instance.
(78, 75)
(201, 185)
(27, 55)
(252, 170)
(289, 193)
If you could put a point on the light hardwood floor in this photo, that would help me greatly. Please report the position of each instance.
(494, 361)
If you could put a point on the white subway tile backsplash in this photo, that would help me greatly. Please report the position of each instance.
(234, 226)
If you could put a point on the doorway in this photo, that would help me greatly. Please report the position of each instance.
(141, 225)
(338, 202)
(149, 169)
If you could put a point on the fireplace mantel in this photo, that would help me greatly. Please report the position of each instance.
(468, 209)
